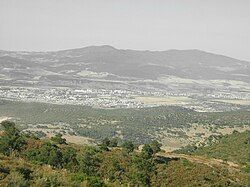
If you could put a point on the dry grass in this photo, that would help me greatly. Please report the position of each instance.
(80, 140)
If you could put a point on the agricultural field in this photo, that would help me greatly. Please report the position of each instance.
(164, 100)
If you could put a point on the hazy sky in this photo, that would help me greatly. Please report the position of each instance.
(220, 26)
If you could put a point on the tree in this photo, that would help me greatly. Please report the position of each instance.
(106, 142)
(58, 139)
(55, 158)
(11, 140)
(156, 146)
(128, 146)
(113, 142)
(143, 170)
(147, 152)
(69, 158)
(89, 161)
(48, 153)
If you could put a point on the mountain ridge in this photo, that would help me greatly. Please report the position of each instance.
(121, 49)
(142, 65)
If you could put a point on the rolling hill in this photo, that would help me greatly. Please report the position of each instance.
(109, 63)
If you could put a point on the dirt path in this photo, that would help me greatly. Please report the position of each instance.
(203, 160)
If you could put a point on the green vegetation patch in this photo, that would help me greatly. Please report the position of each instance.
(53, 162)
(234, 147)
(138, 125)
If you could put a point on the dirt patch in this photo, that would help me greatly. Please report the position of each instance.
(202, 160)
(170, 144)
(80, 140)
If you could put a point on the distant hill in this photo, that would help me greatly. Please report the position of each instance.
(119, 63)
